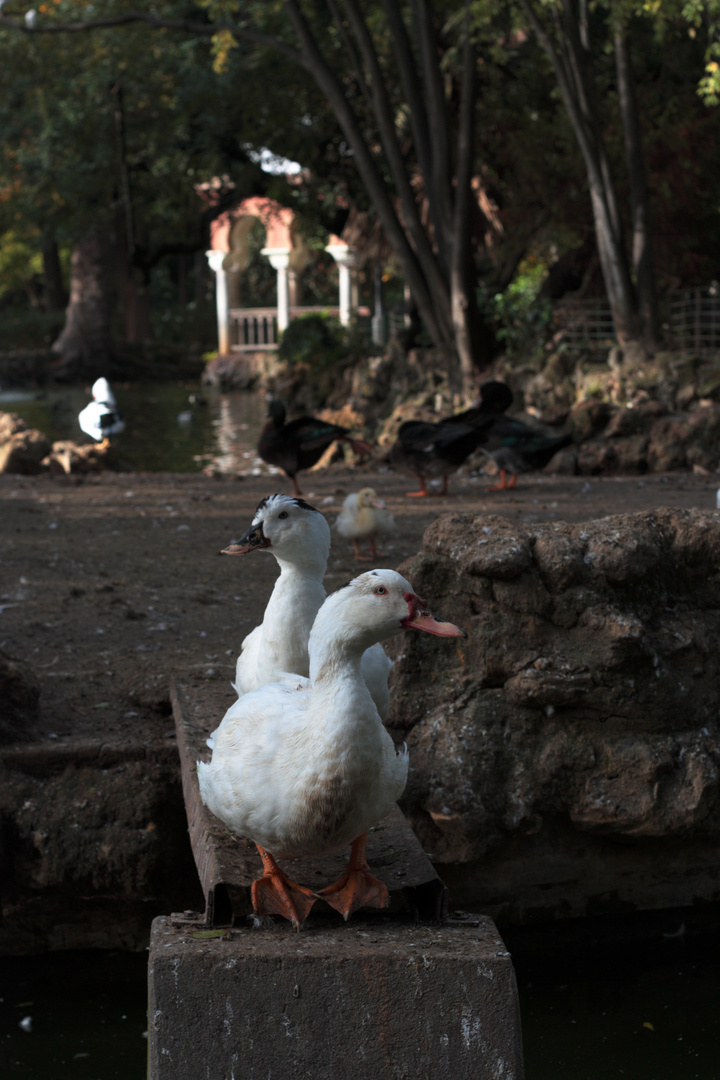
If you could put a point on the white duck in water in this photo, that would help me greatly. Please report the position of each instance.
(299, 537)
(306, 770)
(101, 418)
(364, 517)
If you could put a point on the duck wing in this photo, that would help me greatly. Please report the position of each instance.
(433, 449)
(346, 521)
(248, 662)
(515, 444)
(376, 666)
(310, 437)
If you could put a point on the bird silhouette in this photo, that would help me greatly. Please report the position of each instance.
(438, 449)
(515, 447)
(300, 444)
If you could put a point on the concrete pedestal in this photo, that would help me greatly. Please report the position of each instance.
(372, 999)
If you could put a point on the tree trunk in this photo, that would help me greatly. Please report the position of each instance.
(635, 324)
(132, 290)
(640, 212)
(84, 347)
(54, 294)
(437, 263)
(462, 296)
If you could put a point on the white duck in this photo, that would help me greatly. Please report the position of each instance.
(101, 417)
(364, 517)
(299, 537)
(306, 770)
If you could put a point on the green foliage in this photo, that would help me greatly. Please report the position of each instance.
(64, 98)
(29, 327)
(194, 108)
(20, 261)
(190, 326)
(316, 339)
(522, 318)
(321, 342)
(258, 283)
(703, 17)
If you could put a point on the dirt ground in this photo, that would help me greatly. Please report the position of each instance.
(113, 584)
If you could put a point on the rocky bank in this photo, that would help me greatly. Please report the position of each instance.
(568, 761)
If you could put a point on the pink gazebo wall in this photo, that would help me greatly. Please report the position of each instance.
(277, 221)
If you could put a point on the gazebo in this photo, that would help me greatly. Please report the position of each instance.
(244, 329)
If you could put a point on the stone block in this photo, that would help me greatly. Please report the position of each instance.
(373, 999)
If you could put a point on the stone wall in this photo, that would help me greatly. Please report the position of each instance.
(93, 845)
(565, 760)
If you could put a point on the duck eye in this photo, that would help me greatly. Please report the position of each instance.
(283, 514)
(381, 591)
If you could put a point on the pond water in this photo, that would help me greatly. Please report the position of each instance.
(643, 1010)
(639, 1010)
(170, 426)
(79, 1015)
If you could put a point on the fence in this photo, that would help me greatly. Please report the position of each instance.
(587, 324)
(695, 320)
(255, 329)
(692, 321)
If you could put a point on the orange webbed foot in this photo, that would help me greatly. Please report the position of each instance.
(422, 493)
(505, 484)
(358, 555)
(357, 887)
(374, 553)
(275, 894)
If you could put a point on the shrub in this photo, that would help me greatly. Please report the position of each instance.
(319, 341)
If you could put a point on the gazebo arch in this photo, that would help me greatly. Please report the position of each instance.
(243, 329)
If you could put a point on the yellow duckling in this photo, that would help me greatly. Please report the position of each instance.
(364, 517)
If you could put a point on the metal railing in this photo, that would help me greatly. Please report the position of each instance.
(693, 322)
(255, 329)
(586, 323)
(694, 319)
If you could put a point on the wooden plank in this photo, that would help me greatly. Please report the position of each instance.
(228, 864)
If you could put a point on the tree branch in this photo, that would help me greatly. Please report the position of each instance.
(639, 203)
(412, 88)
(420, 263)
(388, 136)
(461, 214)
(314, 61)
(354, 57)
(187, 26)
(437, 124)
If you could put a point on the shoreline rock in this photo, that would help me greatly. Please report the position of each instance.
(581, 714)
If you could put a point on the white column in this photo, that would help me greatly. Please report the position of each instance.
(279, 259)
(216, 260)
(346, 260)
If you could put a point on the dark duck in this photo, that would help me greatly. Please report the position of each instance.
(430, 450)
(516, 447)
(300, 444)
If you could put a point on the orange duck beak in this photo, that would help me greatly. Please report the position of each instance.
(419, 618)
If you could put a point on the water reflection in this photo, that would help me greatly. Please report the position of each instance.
(237, 421)
(170, 427)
